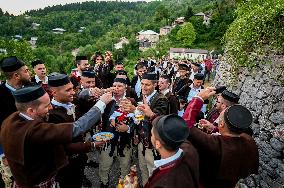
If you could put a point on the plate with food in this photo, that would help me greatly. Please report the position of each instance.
(103, 136)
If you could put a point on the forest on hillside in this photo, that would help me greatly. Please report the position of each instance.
(105, 23)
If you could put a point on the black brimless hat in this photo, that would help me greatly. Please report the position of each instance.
(172, 129)
(229, 96)
(11, 64)
(56, 79)
(238, 118)
(28, 94)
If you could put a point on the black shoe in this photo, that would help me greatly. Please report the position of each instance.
(102, 185)
(86, 182)
(92, 164)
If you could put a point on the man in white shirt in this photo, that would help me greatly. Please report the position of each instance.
(40, 72)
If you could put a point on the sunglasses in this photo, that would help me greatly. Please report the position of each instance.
(99, 59)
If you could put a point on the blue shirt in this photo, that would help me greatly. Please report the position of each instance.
(10, 87)
(161, 162)
(148, 98)
(181, 112)
(138, 87)
(193, 92)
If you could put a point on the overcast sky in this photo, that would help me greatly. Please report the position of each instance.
(17, 7)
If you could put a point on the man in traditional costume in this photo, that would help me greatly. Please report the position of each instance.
(164, 88)
(120, 123)
(34, 148)
(17, 75)
(63, 111)
(136, 80)
(224, 100)
(158, 104)
(182, 80)
(226, 158)
(82, 65)
(179, 163)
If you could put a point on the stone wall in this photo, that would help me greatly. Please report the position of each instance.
(261, 90)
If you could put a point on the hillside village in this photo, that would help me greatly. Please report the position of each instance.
(146, 39)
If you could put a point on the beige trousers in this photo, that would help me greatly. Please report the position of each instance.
(146, 163)
(105, 163)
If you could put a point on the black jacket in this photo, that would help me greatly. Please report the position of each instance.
(7, 102)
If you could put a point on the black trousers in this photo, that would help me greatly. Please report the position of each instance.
(71, 176)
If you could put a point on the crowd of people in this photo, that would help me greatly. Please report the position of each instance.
(162, 117)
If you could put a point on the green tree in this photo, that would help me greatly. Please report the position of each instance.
(173, 34)
(163, 46)
(21, 49)
(186, 34)
(188, 13)
(162, 13)
(257, 32)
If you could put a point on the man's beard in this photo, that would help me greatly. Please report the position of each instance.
(26, 82)
(85, 69)
(44, 118)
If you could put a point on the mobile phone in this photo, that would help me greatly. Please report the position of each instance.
(220, 89)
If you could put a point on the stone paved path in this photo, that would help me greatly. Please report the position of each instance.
(93, 173)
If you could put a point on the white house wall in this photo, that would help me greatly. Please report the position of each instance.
(176, 55)
(151, 38)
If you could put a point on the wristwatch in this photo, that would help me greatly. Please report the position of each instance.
(94, 145)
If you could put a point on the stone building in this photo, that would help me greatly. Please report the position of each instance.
(179, 21)
(261, 90)
(165, 30)
(205, 17)
(147, 39)
(123, 41)
(33, 42)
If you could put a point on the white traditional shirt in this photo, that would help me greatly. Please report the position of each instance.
(68, 106)
(25, 116)
(161, 162)
(39, 80)
(191, 77)
(165, 91)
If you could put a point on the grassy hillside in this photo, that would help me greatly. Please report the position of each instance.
(107, 22)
